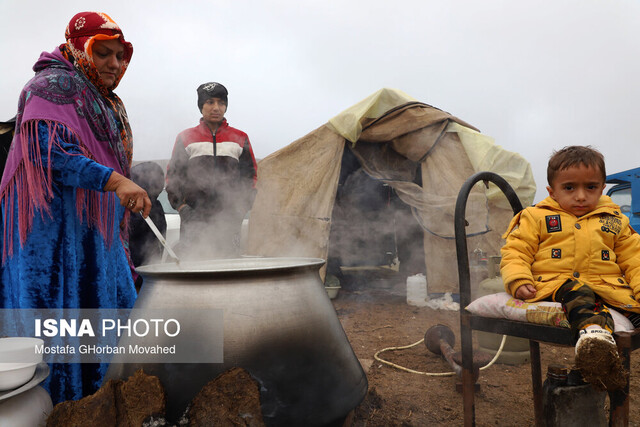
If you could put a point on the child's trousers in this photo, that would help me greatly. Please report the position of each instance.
(583, 307)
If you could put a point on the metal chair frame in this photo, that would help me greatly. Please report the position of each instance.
(535, 333)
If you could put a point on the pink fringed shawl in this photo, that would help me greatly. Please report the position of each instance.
(63, 98)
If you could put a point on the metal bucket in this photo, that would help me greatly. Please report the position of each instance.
(279, 325)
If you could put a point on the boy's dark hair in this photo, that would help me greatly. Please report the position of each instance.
(574, 156)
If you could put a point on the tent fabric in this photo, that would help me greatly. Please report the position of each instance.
(394, 137)
(349, 122)
(484, 155)
(291, 215)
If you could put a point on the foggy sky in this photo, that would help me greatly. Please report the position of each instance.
(534, 75)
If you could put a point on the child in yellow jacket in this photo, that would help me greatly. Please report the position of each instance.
(577, 248)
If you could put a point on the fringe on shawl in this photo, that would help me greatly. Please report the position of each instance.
(31, 187)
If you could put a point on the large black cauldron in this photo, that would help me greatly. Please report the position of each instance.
(279, 325)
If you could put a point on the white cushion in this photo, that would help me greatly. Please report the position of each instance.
(504, 306)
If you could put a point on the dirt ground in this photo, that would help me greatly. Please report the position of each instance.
(375, 315)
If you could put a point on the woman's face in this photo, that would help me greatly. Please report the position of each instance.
(107, 57)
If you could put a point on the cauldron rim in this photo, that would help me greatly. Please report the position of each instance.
(230, 266)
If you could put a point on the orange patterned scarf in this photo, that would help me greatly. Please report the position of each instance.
(84, 29)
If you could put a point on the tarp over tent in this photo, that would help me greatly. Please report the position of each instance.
(392, 135)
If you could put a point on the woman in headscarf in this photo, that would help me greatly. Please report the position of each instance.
(65, 192)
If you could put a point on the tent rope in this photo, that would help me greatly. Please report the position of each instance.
(424, 227)
(432, 374)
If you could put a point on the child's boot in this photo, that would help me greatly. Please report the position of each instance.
(597, 358)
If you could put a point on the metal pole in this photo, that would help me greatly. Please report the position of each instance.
(464, 280)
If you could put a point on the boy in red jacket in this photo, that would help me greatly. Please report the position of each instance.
(211, 180)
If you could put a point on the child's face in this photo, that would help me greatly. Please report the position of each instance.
(577, 189)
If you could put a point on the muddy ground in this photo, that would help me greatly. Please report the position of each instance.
(375, 315)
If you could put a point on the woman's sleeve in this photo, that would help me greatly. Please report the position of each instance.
(69, 165)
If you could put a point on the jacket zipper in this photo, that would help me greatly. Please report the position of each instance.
(215, 150)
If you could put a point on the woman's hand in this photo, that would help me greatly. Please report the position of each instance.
(131, 195)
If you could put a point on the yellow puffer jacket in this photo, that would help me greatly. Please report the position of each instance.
(546, 245)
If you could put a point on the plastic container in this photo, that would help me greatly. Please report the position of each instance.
(14, 375)
(515, 350)
(332, 291)
(479, 270)
(332, 285)
(18, 360)
(27, 409)
(568, 401)
(417, 290)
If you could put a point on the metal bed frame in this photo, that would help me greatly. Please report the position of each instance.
(535, 333)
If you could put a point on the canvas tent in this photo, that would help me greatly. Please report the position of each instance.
(395, 139)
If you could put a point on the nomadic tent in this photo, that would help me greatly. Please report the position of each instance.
(423, 153)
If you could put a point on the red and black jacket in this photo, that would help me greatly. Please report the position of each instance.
(209, 169)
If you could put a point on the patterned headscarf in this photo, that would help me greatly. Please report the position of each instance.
(84, 29)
